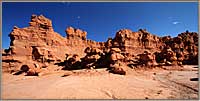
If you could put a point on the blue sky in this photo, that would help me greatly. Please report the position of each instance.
(102, 20)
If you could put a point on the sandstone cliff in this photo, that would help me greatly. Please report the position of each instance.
(38, 43)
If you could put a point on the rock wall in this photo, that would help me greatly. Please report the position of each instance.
(135, 42)
(39, 43)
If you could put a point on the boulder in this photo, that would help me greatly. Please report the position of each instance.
(30, 69)
(93, 55)
(115, 50)
(25, 68)
(118, 68)
(32, 72)
(116, 56)
(72, 62)
(147, 59)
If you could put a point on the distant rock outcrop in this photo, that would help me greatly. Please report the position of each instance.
(75, 33)
(183, 49)
(134, 42)
(38, 43)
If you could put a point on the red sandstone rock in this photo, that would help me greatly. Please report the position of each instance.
(116, 56)
(147, 58)
(75, 33)
(117, 50)
(39, 43)
(118, 68)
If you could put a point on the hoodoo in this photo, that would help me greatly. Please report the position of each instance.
(38, 46)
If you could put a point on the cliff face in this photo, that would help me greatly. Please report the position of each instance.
(40, 36)
(39, 43)
(135, 42)
(185, 45)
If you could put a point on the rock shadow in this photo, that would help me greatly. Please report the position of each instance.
(194, 79)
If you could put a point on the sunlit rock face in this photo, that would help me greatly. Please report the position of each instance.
(135, 42)
(39, 44)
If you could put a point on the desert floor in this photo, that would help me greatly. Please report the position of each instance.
(158, 83)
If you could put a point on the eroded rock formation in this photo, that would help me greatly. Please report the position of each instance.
(39, 44)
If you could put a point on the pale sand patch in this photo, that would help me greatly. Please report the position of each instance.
(99, 84)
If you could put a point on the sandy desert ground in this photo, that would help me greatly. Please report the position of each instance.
(157, 83)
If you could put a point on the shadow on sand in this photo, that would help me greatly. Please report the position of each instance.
(194, 79)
